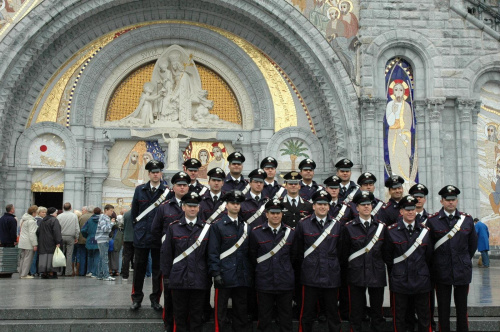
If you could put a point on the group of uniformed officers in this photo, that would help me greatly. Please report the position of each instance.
(271, 248)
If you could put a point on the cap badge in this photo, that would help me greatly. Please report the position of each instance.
(218, 170)
(309, 161)
(182, 174)
(260, 171)
(450, 188)
(323, 193)
(237, 154)
(270, 159)
(193, 162)
(419, 186)
(367, 175)
(346, 161)
(410, 199)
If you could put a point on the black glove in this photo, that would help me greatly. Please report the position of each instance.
(166, 282)
(218, 281)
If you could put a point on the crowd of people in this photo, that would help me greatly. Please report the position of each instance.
(276, 251)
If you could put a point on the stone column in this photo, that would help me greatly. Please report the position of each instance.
(421, 128)
(94, 193)
(18, 193)
(378, 163)
(99, 164)
(74, 186)
(435, 107)
(475, 163)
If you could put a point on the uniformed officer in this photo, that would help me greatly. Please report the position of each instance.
(229, 265)
(307, 186)
(344, 173)
(167, 213)
(317, 243)
(408, 254)
(211, 200)
(251, 211)
(455, 242)
(272, 257)
(146, 195)
(390, 211)
(192, 167)
(366, 182)
(332, 186)
(234, 180)
(295, 208)
(184, 265)
(271, 186)
(362, 248)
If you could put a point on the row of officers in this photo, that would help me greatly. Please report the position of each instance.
(299, 244)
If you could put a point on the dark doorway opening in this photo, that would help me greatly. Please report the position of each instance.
(49, 199)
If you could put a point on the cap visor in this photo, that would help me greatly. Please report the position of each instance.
(275, 210)
(292, 181)
(306, 167)
(257, 179)
(193, 168)
(181, 182)
(344, 169)
(191, 204)
(269, 165)
(418, 195)
(334, 187)
(235, 162)
(364, 203)
(155, 170)
(409, 208)
(215, 178)
(450, 197)
(397, 185)
(322, 201)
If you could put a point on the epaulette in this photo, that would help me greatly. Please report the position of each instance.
(432, 215)
(392, 226)
(216, 220)
(260, 226)
(465, 214)
(292, 228)
(304, 218)
(173, 222)
(349, 222)
(386, 205)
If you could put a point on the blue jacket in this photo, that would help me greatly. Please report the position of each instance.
(276, 273)
(483, 237)
(8, 229)
(192, 271)
(389, 213)
(350, 188)
(88, 231)
(143, 198)
(230, 184)
(166, 213)
(413, 275)
(271, 190)
(207, 206)
(452, 261)
(250, 206)
(306, 192)
(235, 269)
(321, 268)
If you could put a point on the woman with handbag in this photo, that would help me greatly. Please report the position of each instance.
(49, 237)
(27, 241)
(88, 232)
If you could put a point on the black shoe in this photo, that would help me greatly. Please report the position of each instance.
(156, 306)
(135, 306)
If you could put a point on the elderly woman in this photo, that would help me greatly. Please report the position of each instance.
(41, 213)
(49, 237)
(27, 241)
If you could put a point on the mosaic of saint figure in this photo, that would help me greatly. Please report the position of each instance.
(399, 123)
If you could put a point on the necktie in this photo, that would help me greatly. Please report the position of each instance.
(236, 223)
(294, 202)
(367, 224)
(343, 191)
(153, 190)
(410, 229)
(275, 231)
(190, 224)
(215, 199)
(450, 220)
(257, 198)
(236, 182)
(320, 222)
(418, 218)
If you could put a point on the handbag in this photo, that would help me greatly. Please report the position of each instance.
(112, 241)
(58, 260)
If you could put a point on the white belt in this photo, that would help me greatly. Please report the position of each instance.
(194, 245)
(246, 189)
(216, 213)
(152, 206)
(413, 247)
(370, 245)
(256, 214)
(203, 190)
(377, 207)
(279, 193)
(277, 248)
(451, 233)
(237, 244)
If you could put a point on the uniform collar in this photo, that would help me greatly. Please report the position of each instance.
(267, 226)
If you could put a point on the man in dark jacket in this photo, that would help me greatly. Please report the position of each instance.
(344, 172)
(184, 265)
(8, 227)
(49, 237)
(271, 186)
(128, 244)
(234, 180)
(455, 242)
(211, 200)
(251, 210)
(228, 264)
(308, 186)
(390, 211)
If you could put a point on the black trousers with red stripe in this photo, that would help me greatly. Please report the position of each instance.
(141, 263)
(266, 302)
(422, 307)
(443, 296)
(357, 302)
(238, 296)
(310, 297)
(188, 309)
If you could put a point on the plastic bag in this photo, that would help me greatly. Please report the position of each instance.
(58, 260)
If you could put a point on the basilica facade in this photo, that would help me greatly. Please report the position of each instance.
(90, 91)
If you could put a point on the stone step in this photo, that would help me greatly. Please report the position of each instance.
(484, 324)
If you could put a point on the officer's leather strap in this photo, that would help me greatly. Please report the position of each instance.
(194, 245)
(276, 248)
(370, 245)
(154, 205)
(451, 233)
(377, 207)
(413, 247)
(237, 244)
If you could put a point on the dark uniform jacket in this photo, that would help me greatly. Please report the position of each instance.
(335, 209)
(271, 190)
(321, 268)
(230, 184)
(293, 214)
(452, 263)
(8, 229)
(192, 271)
(276, 273)
(423, 219)
(342, 196)
(411, 276)
(353, 212)
(143, 198)
(389, 213)
(367, 270)
(49, 235)
(250, 206)
(197, 188)
(235, 269)
(306, 192)
(207, 206)
(166, 213)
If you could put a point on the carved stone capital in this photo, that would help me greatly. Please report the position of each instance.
(466, 108)
(435, 107)
(419, 107)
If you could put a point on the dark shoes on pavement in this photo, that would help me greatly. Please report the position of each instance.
(156, 306)
(135, 306)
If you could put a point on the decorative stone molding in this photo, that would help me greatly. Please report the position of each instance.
(466, 108)
(435, 107)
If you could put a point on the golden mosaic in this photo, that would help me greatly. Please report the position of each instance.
(39, 187)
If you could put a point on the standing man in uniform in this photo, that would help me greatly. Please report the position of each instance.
(145, 196)
(455, 242)
(272, 258)
(332, 186)
(192, 167)
(317, 241)
(211, 200)
(228, 264)
(390, 211)
(344, 173)
(252, 208)
(168, 212)
(294, 207)
(362, 248)
(408, 254)
(271, 186)
(184, 265)
(234, 180)
(307, 186)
